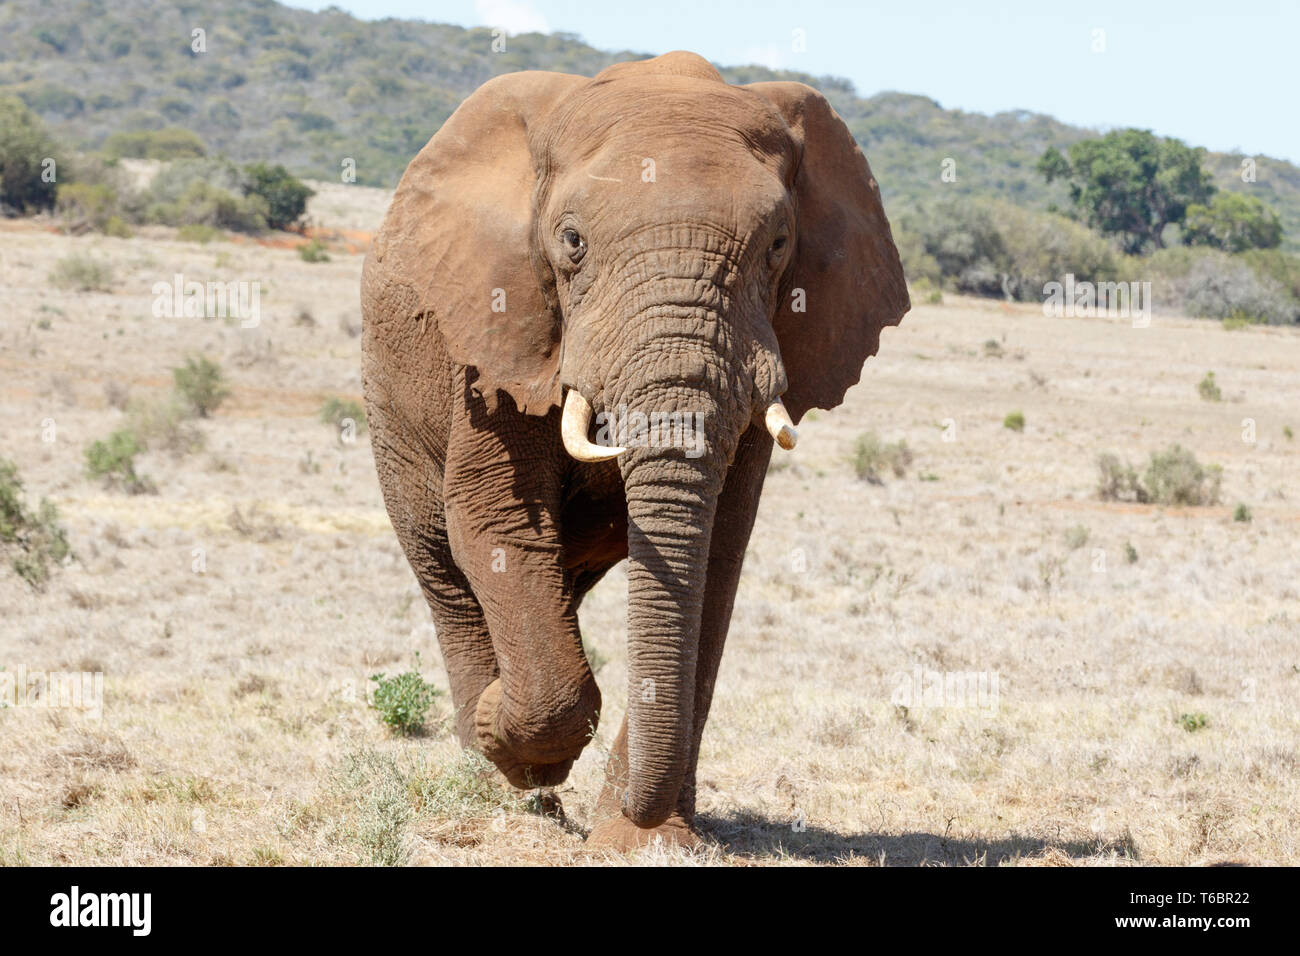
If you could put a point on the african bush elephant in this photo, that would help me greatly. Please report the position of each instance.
(651, 242)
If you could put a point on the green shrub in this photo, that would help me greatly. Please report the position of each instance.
(1118, 480)
(170, 143)
(1242, 513)
(337, 410)
(199, 382)
(1014, 421)
(1076, 537)
(1130, 553)
(24, 147)
(872, 457)
(313, 251)
(1193, 722)
(164, 425)
(995, 248)
(95, 206)
(1175, 477)
(198, 232)
(286, 196)
(35, 540)
(1208, 389)
(81, 273)
(1282, 267)
(1240, 320)
(1233, 222)
(403, 701)
(1043, 247)
(113, 460)
(207, 192)
(1172, 477)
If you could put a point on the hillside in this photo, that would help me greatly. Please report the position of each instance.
(309, 89)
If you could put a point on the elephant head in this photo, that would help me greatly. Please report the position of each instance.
(653, 241)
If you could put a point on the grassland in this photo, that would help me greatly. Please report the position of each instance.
(1146, 657)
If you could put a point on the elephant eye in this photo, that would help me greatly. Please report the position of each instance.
(776, 252)
(574, 244)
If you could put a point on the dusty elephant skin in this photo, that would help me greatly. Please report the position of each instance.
(650, 244)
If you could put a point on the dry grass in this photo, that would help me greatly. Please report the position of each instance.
(235, 728)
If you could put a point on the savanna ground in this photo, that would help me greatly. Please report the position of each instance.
(1146, 698)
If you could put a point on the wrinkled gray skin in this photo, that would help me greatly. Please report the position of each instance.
(670, 293)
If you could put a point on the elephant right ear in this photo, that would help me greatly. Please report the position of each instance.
(456, 243)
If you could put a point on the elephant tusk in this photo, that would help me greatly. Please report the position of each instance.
(779, 425)
(573, 429)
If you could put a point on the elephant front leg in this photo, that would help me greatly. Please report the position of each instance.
(534, 719)
(502, 507)
(737, 508)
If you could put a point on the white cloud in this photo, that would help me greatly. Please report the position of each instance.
(513, 16)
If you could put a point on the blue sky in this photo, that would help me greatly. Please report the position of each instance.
(1222, 75)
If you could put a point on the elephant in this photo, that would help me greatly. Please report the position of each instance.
(652, 243)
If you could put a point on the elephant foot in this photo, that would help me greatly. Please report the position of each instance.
(520, 773)
(620, 834)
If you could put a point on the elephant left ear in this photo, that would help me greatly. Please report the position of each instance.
(846, 281)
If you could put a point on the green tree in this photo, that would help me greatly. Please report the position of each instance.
(170, 143)
(285, 194)
(24, 147)
(1131, 183)
(1233, 222)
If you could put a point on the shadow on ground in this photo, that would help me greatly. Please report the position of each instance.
(752, 834)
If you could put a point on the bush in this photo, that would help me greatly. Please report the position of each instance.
(199, 383)
(1208, 389)
(1015, 421)
(1118, 480)
(1175, 477)
(81, 273)
(403, 701)
(164, 426)
(198, 232)
(1217, 286)
(166, 144)
(24, 146)
(1076, 537)
(286, 196)
(961, 238)
(84, 206)
(206, 192)
(337, 410)
(36, 538)
(1282, 267)
(113, 460)
(1242, 513)
(1193, 722)
(313, 251)
(993, 248)
(1044, 247)
(1233, 222)
(872, 457)
(1172, 477)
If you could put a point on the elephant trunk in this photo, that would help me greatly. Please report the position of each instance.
(680, 433)
(671, 504)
